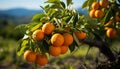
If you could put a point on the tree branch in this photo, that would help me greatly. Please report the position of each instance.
(103, 47)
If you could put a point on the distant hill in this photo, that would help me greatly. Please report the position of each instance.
(21, 15)
(18, 15)
(82, 11)
(19, 12)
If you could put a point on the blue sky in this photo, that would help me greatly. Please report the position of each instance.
(30, 4)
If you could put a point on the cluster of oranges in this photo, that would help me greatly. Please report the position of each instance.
(96, 11)
(59, 43)
(39, 58)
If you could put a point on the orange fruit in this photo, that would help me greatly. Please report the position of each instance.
(55, 51)
(38, 35)
(64, 49)
(99, 14)
(48, 28)
(57, 39)
(68, 39)
(92, 13)
(80, 35)
(111, 33)
(95, 5)
(117, 18)
(41, 59)
(104, 3)
(29, 56)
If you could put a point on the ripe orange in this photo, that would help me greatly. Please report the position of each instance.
(99, 14)
(38, 35)
(55, 51)
(30, 56)
(41, 59)
(48, 28)
(117, 18)
(111, 33)
(80, 35)
(92, 13)
(64, 49)
(104, 3)
(95, 5)
(68, 39)
(57, 39)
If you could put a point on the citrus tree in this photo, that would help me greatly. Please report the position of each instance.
(61, 28)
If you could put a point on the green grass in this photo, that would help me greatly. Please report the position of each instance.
(8, 48)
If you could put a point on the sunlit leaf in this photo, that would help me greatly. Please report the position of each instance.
(52, 1)
(22, 50)
(37, 17)
(22, 47)
(24, 43)
(36, 27)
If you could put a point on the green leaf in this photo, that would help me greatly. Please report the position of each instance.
(75, 19)
(72, 47)
(31, 44)
(36, 26)
(70, 19)
(107, 17)
(22, 28)
(20, 45)
(37, 17)
(33, 26)
(76, 40)
(46, 45)
(24, 43)
(67, 19)
(69, 2)
(23, 49)
(56, 6)
(89, 3)
(85, 4)
(46, 8)
(52, 1)
(62, 4)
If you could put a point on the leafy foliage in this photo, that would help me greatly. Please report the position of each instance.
(62, 16)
